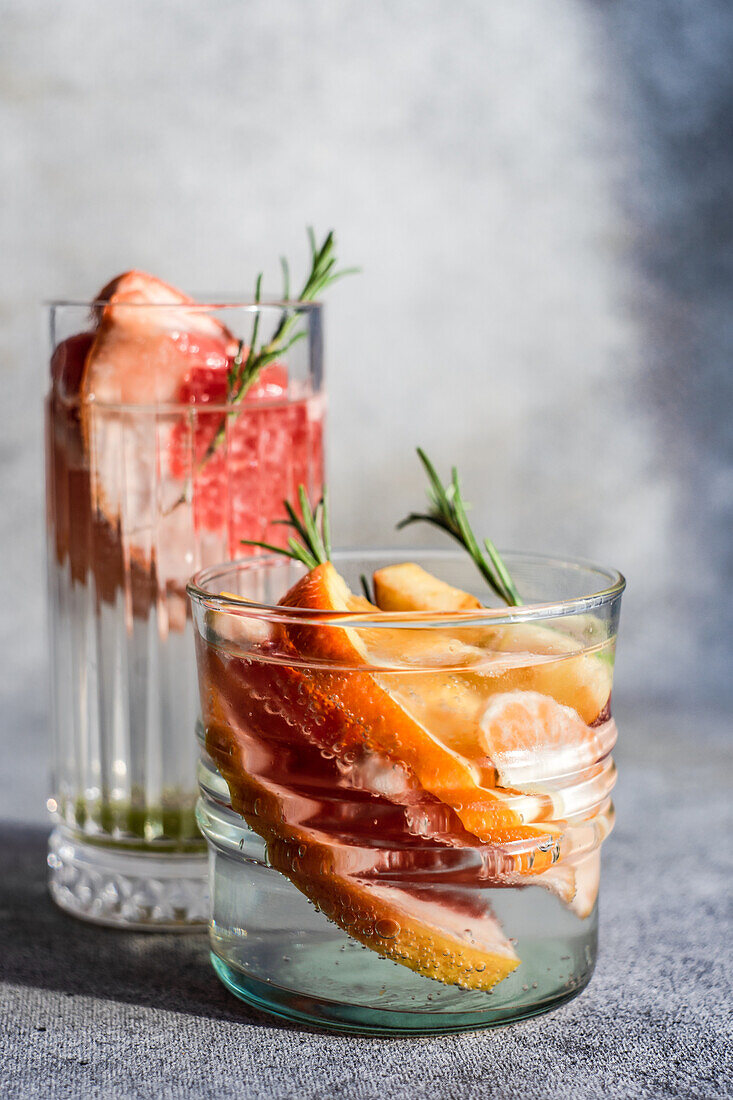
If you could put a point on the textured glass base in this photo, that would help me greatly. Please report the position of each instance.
(165, 892)
(359, 1020)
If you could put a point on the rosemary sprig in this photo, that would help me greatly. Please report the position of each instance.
(312, 526)
(448, 512)
(366, 588)
(243, 375)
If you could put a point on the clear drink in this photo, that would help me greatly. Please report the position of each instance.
(152, 472)
(404, 811)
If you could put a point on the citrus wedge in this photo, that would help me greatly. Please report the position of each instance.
(409, 587)
(575, 882)
(442, 933)
(532, 737)
(427, 721)
(146, 350)
(545, 661)
(154, 385)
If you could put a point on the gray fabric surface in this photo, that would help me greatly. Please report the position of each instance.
(93, 1013)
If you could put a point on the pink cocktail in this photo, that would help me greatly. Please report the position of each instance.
(169, 444)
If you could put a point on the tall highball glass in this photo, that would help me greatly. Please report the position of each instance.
(153, 472)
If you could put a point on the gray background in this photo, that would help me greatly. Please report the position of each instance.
(539, 196)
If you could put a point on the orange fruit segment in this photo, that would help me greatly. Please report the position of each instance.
(531, 739)
(437, 933)
(545, 660)
(539, 733)
(427, 720)
(409, 587)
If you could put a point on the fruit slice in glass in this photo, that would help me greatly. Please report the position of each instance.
(397, 771)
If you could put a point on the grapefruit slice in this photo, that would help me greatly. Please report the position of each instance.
(426, 721)
(547, 661)
(445, 933)
(145, 352)
(281, 702)
(152, 387)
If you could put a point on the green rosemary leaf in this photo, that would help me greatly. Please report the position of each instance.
(464, 527)
(314, 540)
(503, 573)
(294, 521)
(302, 553)
(241, 377)
(344, 271)
(265, 546)
(439, 493)
(365, 588)
(326, 523)
(293, 341)
(293, 550)
(312, 240)
(449, 512)
(312, 547)
(236, 366)
(423, 517)
(245, 381)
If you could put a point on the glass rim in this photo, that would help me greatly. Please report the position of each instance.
(217, 303)
(489, 616)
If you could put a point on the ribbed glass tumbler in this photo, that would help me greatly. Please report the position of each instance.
(404, 809)
(156, 466)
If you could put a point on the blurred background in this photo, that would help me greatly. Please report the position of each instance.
(539, 197)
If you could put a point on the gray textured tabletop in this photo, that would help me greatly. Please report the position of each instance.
(92, 1013)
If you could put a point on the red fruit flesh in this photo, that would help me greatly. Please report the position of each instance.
(67, 365)
(155, 348)
(133, 409)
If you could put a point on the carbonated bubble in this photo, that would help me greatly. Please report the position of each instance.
(387, 929)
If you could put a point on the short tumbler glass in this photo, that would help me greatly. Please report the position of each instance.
(150, 476)
(404, 810)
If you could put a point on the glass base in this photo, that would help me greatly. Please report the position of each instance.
(144, 891)
(359, 1020)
